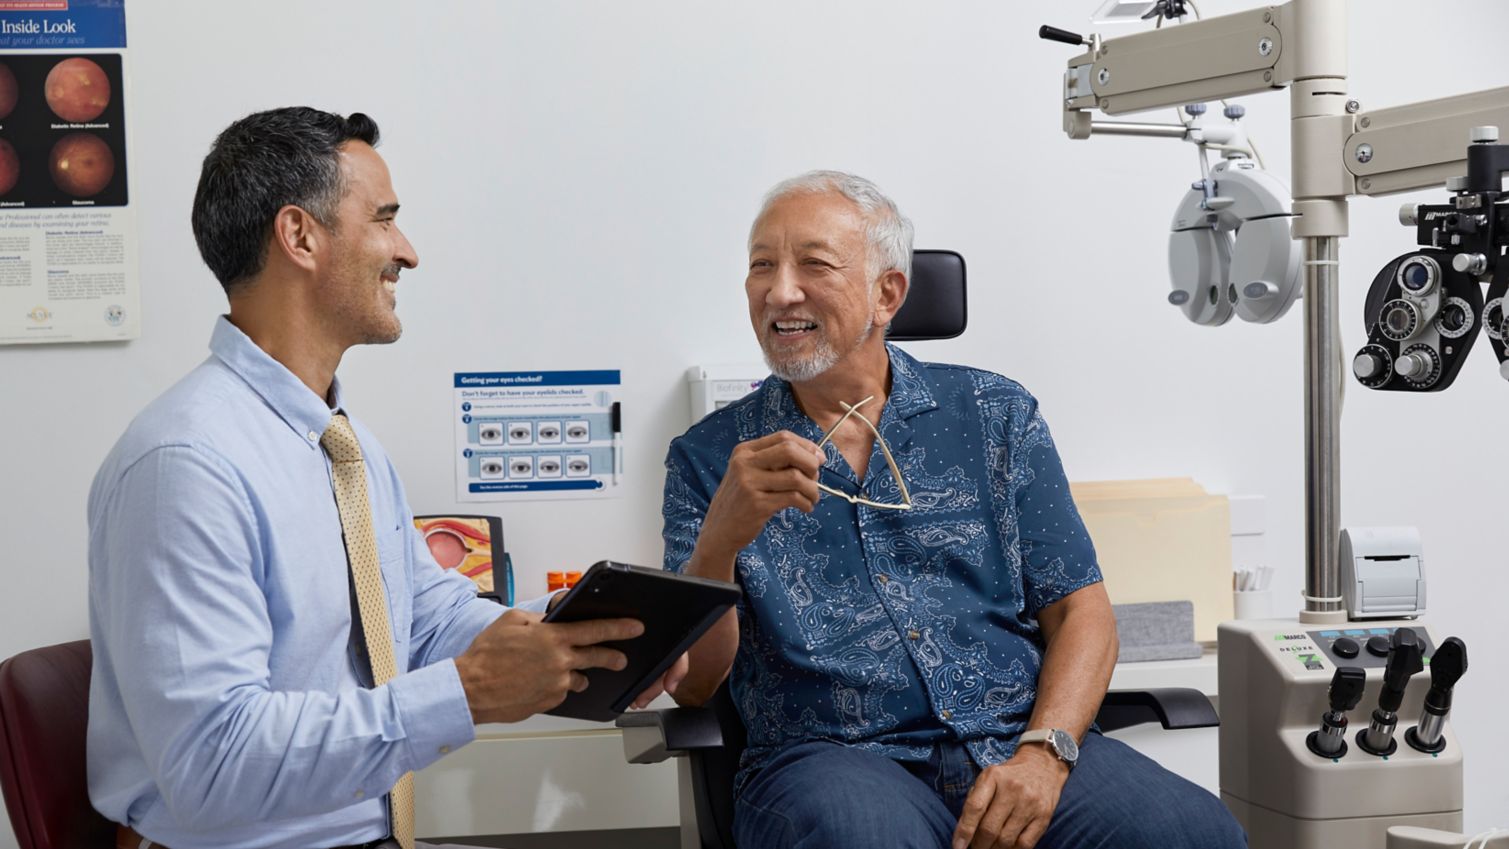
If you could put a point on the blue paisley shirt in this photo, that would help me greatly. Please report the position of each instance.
(895, 630)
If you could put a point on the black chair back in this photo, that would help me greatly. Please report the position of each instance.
(935, 306)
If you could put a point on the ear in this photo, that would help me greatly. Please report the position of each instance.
(890, 295)
(298, 237)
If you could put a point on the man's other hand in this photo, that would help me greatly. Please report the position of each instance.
(764, 477)
(520, 666)
(1011, 803)
(666, 683)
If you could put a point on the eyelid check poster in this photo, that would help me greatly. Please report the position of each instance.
(68, 237)
(538, 436)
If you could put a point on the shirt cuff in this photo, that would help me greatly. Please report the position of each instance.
(433, 711)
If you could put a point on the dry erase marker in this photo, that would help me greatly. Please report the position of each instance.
(616, 419)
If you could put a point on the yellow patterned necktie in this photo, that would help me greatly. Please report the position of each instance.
(350, 474)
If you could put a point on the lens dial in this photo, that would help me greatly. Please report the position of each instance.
(1373, 366)
(1455, 319)
(1420, 365)
(1493, 319)
(1399, 319)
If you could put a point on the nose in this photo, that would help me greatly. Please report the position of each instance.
(785, 288)
(405, 254)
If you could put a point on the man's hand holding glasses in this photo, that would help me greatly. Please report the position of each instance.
(764, 477)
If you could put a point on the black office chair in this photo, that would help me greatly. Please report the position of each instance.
(709, 740)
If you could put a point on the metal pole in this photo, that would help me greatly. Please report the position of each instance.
(1322, 427)
(1133, 128)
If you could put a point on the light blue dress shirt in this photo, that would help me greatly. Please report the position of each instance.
(886, 630)
(230, 706)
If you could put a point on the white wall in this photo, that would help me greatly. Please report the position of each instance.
(578, 179)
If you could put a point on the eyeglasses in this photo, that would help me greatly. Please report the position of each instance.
(906, 497)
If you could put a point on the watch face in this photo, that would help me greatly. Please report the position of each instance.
(1064, 744)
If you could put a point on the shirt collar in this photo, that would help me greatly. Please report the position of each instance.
(304, 412)
(909, 396)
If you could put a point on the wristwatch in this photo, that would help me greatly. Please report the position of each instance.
(1060, 742)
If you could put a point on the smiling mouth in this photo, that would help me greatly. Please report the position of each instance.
(792, 328)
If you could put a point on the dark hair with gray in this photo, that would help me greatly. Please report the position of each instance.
(889, 234)
(257, 166)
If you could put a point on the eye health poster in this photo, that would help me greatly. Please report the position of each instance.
(541, 435)
(68, 237)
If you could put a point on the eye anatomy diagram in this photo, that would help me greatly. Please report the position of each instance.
(538, 435)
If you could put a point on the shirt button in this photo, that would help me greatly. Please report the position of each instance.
(882, 578)
(912, 635)
(360, 793)
(445, 750)
(313, 437)
(947, 714)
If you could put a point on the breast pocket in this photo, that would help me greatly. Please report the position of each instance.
(392, 549)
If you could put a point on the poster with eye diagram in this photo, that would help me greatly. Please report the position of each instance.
(68, 238)
(538, 435)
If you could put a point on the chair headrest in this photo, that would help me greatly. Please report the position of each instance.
(935, 306)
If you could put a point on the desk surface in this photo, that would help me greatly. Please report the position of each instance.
(1196, 672)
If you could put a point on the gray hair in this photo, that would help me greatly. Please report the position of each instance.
(888, 236)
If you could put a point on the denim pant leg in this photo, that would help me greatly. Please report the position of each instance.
(1116, 797)
(829, 796)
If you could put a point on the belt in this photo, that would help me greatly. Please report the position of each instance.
(127, 838)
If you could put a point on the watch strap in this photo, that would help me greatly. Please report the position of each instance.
(1041, 735)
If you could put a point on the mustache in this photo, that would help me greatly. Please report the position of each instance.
(392, 271)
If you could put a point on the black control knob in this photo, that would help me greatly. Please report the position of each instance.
(1347, 647)
(1378, 646)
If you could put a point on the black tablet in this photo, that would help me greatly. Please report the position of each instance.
(676, 610)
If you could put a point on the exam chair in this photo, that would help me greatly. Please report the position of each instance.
(707, 741)
(44, 711)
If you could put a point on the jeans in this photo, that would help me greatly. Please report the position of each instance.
(823, 795)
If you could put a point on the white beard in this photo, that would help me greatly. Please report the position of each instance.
(822, 358)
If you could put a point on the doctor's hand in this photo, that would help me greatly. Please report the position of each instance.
(666, 683)
(764, 477)
(520, 666)
(1011, 803)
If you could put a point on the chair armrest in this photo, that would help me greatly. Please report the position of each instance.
(651, 736)
(1171, 707)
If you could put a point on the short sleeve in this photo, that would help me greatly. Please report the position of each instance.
(1057, 554)
(684, 507)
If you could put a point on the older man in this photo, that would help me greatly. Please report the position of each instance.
(275, 650)
(924, 638)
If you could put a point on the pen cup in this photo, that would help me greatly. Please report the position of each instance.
(1252, 604)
